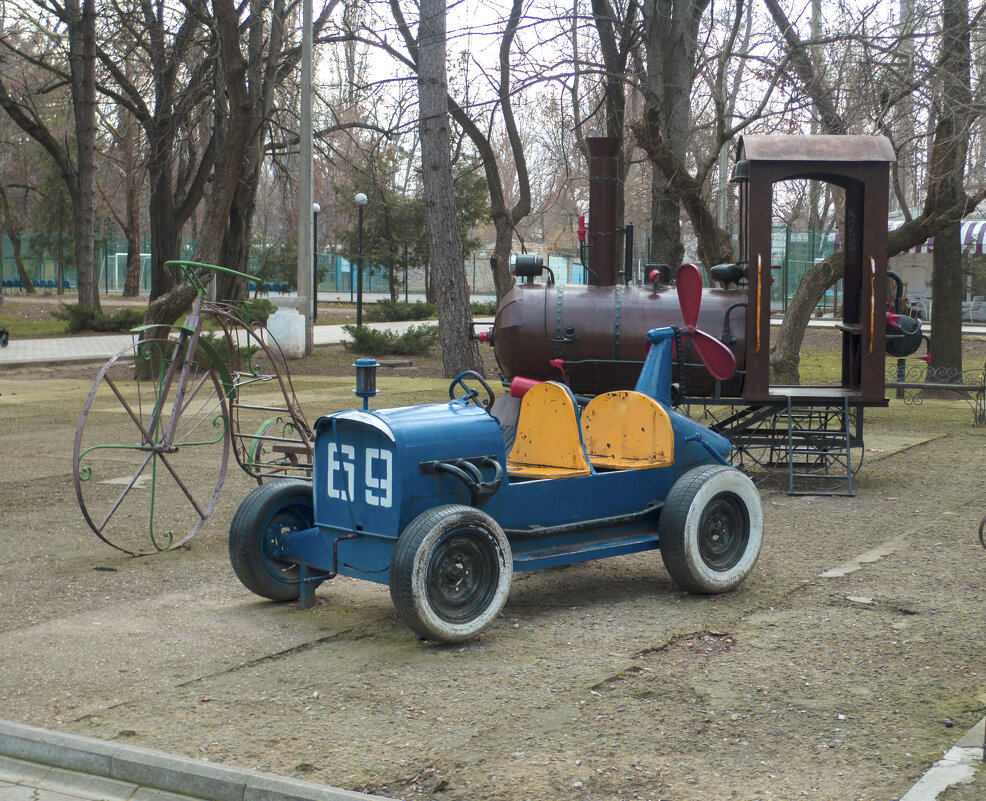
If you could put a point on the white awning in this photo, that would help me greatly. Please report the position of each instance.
(972, 233)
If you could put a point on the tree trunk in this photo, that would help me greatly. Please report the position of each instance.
(504, 219)
(14, 235)
(131, 283)
(671, 31)
(237, 240)
(82, 57)
(165, 228)
(948, 155)
(947, 287)
(665, 228)
(131, 183)
(503, 279)
(444, 245)
(785, 351)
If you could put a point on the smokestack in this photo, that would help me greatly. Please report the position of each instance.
(603, 186)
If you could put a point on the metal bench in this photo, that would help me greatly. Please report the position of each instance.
(911, 383)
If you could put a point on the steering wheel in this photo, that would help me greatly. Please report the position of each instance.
(472, 394)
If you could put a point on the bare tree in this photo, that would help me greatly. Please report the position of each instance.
(945, 201)
(444, 246)
(12, 228)
(954, 114)
(77, 164)
(505, 216)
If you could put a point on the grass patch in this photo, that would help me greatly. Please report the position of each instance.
(26, 328)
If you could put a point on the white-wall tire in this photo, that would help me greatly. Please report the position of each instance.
(451, 572)
(711, 529)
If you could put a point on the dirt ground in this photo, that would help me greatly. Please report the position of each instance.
(598, 681)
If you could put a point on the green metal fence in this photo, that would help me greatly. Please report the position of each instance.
(794, 251)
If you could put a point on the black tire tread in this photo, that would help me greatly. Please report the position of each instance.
(402, 567)
(244, 553)
(402, 563)
(673, 517)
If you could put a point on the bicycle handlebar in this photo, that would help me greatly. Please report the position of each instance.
(188, 269)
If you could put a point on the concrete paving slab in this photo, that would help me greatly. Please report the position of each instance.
(975, 737)
(17, 771)
(73, 783)
(54, 795)
(957, 766)
(17, 792)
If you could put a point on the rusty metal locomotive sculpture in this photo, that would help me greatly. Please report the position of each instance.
(592, 336)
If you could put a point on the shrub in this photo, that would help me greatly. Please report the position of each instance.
(393, 311)
(483, 308)
(82, 318)
(416, 341)
(257, 309)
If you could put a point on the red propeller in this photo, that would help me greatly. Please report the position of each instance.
(717, 358)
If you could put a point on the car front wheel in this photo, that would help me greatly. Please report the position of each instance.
(450, 573)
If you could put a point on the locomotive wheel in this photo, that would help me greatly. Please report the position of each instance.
(271, 510)
(450, 573)
(711, 529)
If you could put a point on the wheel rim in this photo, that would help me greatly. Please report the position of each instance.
(141, 488)
(462, 577)
(284, 521)
(723, 531)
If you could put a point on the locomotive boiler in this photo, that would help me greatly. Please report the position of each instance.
(594, 336)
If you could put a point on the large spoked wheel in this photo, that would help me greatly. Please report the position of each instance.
(450, 573)
(256, 533)
(463, 380)
(711, 529)
(151, 448)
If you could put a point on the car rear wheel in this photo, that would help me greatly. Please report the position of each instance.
(450, 573)
(711, 529)
(265, 516)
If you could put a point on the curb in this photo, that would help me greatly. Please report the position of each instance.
(155, 769)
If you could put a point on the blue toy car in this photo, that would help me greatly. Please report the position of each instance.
(445, 502)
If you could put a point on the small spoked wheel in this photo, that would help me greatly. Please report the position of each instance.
(450, 573)
(267, 514)
(711, 529)
(463, 380)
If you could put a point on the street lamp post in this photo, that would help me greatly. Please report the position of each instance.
(361, 200)
(315, 210)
